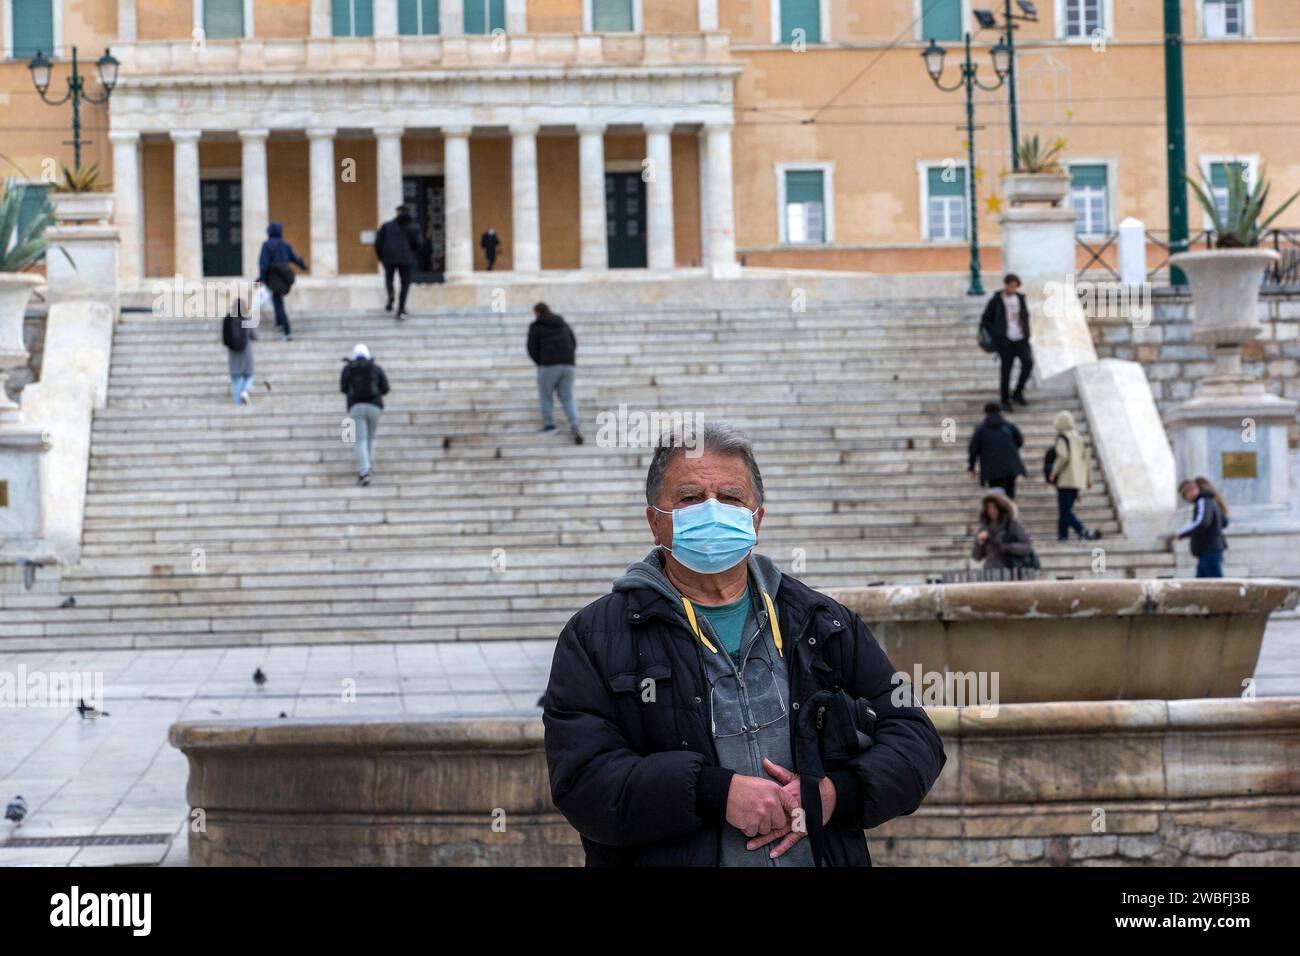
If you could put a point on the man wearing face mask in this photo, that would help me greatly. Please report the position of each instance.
(713, 711)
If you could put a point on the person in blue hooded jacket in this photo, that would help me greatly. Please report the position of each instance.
(275, 272)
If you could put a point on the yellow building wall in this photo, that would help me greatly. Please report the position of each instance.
(282, 19)
(156, 185)
(490, 196)
(553, 16)
(166, 19)
(356, 202)
(669, 16)
(557, 172)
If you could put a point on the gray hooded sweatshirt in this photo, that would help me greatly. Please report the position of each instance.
(749, 698)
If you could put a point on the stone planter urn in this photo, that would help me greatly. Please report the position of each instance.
(96, 207)
(1032, 188)
(15, 289)
(1225, 298)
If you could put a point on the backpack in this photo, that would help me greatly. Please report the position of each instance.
(363, 390)
(1049, 459)
(985, 339)
(279, 277)
(233, 334)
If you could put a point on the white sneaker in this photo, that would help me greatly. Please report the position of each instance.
(245, 398)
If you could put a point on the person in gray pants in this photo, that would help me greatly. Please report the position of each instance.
(553, 346)
(364, 383)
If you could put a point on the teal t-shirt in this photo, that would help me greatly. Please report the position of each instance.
(728, 621)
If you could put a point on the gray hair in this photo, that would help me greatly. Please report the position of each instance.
(717, 437)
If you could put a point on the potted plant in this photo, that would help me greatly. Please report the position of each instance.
(81, 196)
(1225, 280)
(1041, 178)
(20, 249)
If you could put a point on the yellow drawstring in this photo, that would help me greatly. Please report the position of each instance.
(771, 616)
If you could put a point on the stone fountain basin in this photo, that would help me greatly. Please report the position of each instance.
(1109, 639)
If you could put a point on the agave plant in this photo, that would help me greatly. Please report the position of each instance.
(1238, 225)
(1037, 158)
(21, 247)
(80, 181)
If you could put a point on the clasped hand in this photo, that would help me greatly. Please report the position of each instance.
(769, 810)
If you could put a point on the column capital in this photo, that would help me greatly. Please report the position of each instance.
(524, 129)
(457, 131)
(388, 132)
(659, 127)
(592, 129)
(321, 132)
(124, 136)
(721, 126)
(254, 134)
(185, 135)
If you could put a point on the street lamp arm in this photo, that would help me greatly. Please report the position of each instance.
(950, 89)
(985, 86)
(97, 100)
(61, 100)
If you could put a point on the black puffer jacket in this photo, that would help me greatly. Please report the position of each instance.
(996, 443)
(363, 381)
(1206, 527)
(397, 241)
(551, 341)
(640, 781)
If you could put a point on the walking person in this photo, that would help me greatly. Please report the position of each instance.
(275, 271)
(365, 385)
(553, 346)
(490, 242)
(1066, 466)
(996, 445)
(1007, 318)
(1205, 530)
(1002, 542)
(396, 245)
(238, 335)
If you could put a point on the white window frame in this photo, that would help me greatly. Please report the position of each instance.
(1112, 165)
(1107, 17)
(589, 16)
(8, 39)
(1247, 22)
(198, 17)
(828, 202)
(1251, 162)
(923, 167)
(823, 14)
(919, 19)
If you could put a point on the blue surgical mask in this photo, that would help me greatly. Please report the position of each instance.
(711, 537)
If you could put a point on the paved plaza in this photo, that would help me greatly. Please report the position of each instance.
(117, 776)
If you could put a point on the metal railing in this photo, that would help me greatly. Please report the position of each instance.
(1283, 274)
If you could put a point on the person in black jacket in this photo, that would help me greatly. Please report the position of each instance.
(996, 444)
(490, 242)
(657, 757)
(276, 273)
(365, 385)
(553, 346)
(1007, 319)
(396, 244)
(1205, 529)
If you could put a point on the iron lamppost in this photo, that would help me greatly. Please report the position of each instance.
(106, 67)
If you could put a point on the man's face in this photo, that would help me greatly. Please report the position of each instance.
(690, 481)
(1190, 493)
(1010, 288)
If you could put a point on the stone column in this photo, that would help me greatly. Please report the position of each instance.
(324, 219)
(456, 179)
(188, 229)
(720, 198)
(702, 163)
(126, 29)
(661, 254)
(388, 167)
(451, 18)
(255, 204)
(126, 203)
(591, 195)
(527, 244)
(321, 21)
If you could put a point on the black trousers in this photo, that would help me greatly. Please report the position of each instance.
(1009, 351)
(491, 259)
(405, 273)
(1007, 483)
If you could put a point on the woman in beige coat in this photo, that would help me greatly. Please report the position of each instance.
(1069, 472)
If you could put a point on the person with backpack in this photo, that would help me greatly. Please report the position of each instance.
(1205, 530)
(1002, 542)
(364, 383)
(996, 445)
(553, 346)
(1006, 322)
(396, 245)
(237, 335)
(275, 271)
(1066, 466)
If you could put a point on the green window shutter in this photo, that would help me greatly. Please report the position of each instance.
(341, 17)
(803, 15)
(1088, 175)
(484, 16)
(364, 20)
(941, 20)
(223, 19)
(804, 185)
(33, 28)
(611, 16)
(431, 15)
(953, 184)
(408, 17)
